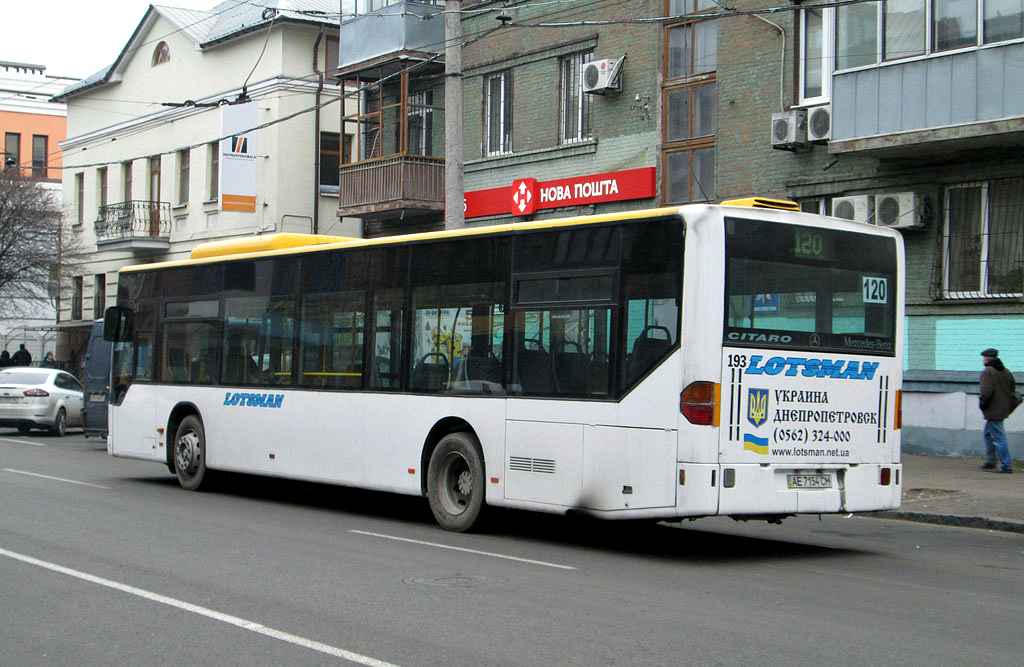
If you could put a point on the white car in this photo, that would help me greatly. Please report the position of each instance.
(40, 398)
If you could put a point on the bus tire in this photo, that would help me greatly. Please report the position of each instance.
(190, 454)
(455, 482)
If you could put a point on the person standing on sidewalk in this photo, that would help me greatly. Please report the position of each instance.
(996, 403)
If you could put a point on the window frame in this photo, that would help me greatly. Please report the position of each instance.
(505, 80)
(184, 169)
(40, 155)
(581, 117)
(828, 51)
(984, 232)
(691, 79)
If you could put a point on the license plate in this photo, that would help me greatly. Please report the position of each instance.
(809, 481)
(10, 399)
(97, 398)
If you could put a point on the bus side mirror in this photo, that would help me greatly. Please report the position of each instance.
(118, 324)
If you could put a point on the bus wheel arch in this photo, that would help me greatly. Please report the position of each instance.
(454, 474)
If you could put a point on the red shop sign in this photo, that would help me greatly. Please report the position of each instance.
(527, 195)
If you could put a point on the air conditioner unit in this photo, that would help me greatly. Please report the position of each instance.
(899, 210)
(789, 129)
(858, 208)
(601, 75)
(819, 124)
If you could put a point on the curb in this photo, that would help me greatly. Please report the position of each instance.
(986, 523)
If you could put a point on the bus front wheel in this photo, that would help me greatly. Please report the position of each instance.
(190, 453)
(455, 482)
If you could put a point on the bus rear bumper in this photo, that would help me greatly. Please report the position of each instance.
(808, 489)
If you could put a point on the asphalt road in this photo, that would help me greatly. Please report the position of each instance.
(107, 562)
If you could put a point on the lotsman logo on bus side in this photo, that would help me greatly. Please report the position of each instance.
(757, 406)
(254, 400)
(809, 368)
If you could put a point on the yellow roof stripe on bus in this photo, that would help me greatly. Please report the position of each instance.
(238, 246)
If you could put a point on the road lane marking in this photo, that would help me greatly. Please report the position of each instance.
(24, 442)
(57, 479)
(242, 623)
(465, 550)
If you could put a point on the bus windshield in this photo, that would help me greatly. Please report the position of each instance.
(810, 288)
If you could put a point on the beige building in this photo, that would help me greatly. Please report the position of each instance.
(206, 126)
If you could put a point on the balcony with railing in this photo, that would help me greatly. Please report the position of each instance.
(393, 183)
(134, 225)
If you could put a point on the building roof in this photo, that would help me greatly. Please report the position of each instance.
(210, 28)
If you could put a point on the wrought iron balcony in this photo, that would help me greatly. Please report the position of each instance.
(393, 183)
(138, 225)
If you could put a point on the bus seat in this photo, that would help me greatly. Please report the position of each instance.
(569, 368)
(648, 349)
(483, 367)
(176, 364)
(431, 372)
(536, 375)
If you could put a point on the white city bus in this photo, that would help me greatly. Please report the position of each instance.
(740, 360)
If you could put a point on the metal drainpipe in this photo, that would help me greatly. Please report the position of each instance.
(316, 134)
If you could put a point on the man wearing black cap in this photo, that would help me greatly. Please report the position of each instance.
(996, 402)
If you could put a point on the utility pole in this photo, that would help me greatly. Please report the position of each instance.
(454, 186)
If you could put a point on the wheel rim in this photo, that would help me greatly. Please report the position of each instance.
(455, 484)
(187, 453)
(61, 423)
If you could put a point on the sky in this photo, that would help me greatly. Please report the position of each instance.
(74, 37)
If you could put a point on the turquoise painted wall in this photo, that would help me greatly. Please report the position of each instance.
(955, 343)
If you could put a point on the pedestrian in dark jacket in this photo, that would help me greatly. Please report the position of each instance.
(996, 403)
(21, 357)
(5, 359)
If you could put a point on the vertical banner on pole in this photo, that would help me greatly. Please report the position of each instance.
(238, 158)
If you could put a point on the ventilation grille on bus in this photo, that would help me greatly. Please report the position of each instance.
(527, 464)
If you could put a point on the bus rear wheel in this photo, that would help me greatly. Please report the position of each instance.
(455, 482)
(190, 453)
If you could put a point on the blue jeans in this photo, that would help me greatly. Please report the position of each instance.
(995, 443)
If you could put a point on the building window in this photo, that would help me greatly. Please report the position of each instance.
(154, 178)
(161, 54)
(79, 198)
(101, 186)
(983, 253)
(689, 102)
(857, 35)
(126, 180)
(816, 55)
(76, 297)
(334, 152)
(99, 297)
(420, 117)
(39, 153)
(184, 157)
(498, 113)
(574, 104)
(12, 150)
(1003, 20)
(214, 183)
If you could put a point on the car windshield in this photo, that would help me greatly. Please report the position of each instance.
(22, 377)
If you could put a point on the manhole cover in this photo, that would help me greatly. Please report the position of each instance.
(454, 581)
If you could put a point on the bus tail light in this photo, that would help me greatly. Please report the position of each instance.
(886, 478)
(699, 403)
(899, 410)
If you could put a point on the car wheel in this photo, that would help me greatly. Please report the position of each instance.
(24, 429)
(60, 424)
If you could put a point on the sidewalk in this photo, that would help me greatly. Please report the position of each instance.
(955, 491)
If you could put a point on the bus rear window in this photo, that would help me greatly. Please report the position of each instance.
(810, 288)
